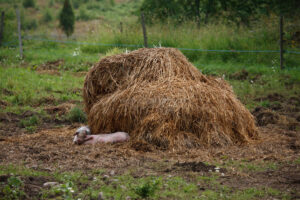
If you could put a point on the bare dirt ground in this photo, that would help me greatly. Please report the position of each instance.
(51, 149)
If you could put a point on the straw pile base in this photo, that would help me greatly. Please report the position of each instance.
(160, 98)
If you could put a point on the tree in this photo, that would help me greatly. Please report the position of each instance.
(67, 18)
(241, 12)
(29, 3)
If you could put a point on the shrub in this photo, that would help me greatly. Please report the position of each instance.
(77, 115)
(30, 24)
(29, 122)
(47, 17)
(13, 189)
(83, 15)
(147, 189)
(93, 6)
(51, 3)
(29, 3)
(67, 18)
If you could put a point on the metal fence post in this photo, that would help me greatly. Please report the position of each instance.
(281, 42)
(121, 27)
(19, 33)
(144, 30)
(2, 27)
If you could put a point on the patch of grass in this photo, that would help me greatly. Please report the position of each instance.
(246, 166)
(28, 87)
(75, 185)
(265, 104)
(268, 81)
(148, 188)
(30, 124)
(47, 16)
(77, 115)
(13, 189)
(297, 161)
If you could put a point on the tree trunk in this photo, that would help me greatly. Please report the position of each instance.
(1, 27)
(197, 4)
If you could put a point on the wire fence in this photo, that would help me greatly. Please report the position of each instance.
(34, 38)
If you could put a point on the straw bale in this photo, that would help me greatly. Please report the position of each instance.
(158, 97)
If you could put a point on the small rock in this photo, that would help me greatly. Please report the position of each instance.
(49, 184)
(112, 172)
(34, 166)
(123, 187)
(105, 177)
(100, 196)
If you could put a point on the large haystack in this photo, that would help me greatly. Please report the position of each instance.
(158, 97)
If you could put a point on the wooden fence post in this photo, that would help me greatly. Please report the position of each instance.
(144, 30)
(281, 42)
(2, 27)
(121, 27)
(19, 33)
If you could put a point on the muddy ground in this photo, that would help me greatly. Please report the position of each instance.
(51, 149)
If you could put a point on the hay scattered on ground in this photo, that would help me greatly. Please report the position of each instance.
(158, 97)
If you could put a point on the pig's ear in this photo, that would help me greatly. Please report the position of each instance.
(76, 133)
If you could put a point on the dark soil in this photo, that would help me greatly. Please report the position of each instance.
(282, 112)
(195, 167)
(240, 75)
(51, 65)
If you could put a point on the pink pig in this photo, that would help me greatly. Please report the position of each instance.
(82, 136)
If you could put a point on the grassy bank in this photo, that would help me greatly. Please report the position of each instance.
(79, 185)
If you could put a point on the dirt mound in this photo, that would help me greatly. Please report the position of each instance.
(266, 116)
(158, 97)
(3, 104)
(50, 67)
(61, 109)
(240, 75)
(196, 167)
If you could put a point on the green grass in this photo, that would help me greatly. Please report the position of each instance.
(248, 166)
(77, 115)
(75, 185)
(28, 88)
(261, 81)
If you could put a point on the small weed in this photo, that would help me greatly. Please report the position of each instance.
(210, 194)
(29, 123)
(47, 16)
(148, 188)
(265, 104)
(297, 161)
(77, 115)
(114, 51)
(13, 189)
(31, 129)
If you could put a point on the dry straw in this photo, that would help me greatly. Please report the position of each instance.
(160, 98)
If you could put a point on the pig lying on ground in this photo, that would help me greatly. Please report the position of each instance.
(83, 136)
